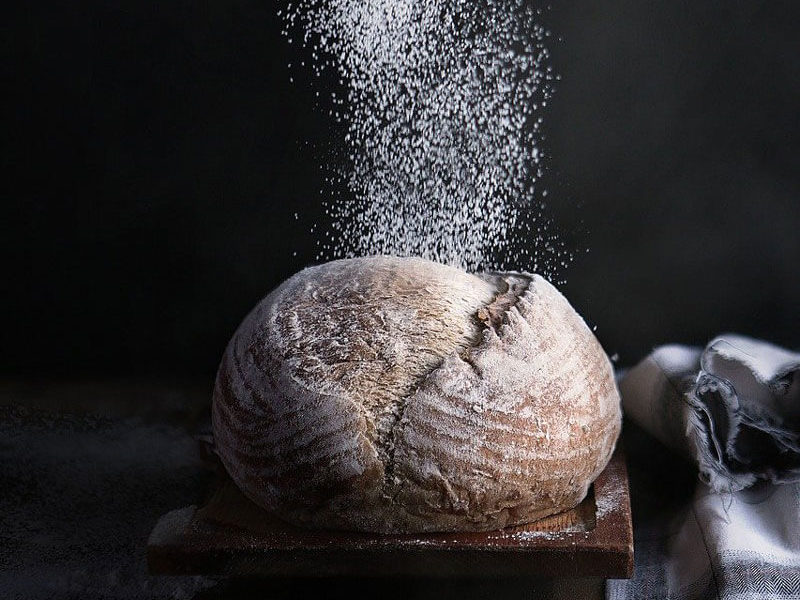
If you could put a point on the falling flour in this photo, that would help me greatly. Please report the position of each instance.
(442, 128)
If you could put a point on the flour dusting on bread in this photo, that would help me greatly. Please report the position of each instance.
(401, 395)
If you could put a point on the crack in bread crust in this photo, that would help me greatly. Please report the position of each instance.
(372, 331)
(509, 288)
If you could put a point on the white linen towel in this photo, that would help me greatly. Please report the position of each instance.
(733, 409)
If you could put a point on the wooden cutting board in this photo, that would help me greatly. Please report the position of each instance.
(232, 536)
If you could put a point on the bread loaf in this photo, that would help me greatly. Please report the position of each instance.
(400, 395)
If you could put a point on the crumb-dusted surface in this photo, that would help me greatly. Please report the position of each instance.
(83, 477)
(389, 394)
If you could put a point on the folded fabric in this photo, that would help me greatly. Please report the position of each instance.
(692, 543)
(733, 407)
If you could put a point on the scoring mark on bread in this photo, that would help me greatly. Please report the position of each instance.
(508, 290)
(374, 336)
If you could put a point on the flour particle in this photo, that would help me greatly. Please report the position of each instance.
(442, 117)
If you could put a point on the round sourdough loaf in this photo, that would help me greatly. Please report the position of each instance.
(400, 395)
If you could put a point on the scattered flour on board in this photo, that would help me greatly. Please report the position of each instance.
(526, 536)
(611, 500)
(442, 129)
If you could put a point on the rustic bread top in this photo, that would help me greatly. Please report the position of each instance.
(397, 394)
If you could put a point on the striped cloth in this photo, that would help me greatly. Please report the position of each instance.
(724, 522)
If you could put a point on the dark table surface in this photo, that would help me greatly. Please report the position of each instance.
(86, 470)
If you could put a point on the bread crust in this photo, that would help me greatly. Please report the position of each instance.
(394, 394)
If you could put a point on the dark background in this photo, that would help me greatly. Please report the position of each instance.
(154, 155)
